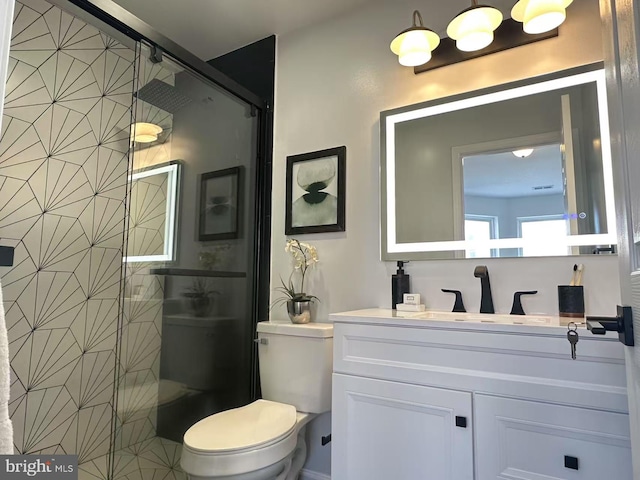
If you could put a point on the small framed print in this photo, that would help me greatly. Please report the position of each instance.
(315, 192)
(220, 204)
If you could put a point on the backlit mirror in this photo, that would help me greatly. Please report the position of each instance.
(518, 170)
(152, 214)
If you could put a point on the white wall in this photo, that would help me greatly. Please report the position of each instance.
(332, 82)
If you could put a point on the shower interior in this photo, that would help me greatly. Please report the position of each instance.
(110, 361)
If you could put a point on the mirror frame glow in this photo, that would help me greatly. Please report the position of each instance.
(168, 253)
(391, 249)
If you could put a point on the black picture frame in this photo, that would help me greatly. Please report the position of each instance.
(220, 206)
(303, 214)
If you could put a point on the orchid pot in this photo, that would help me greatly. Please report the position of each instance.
(299, 310)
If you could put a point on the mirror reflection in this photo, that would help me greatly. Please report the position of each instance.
(507, 197)
(523, 170)
(152, 211)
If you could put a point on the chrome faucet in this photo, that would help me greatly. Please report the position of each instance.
(486, 302)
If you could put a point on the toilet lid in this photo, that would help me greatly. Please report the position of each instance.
(246, 427)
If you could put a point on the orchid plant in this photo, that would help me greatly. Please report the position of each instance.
(304, 256)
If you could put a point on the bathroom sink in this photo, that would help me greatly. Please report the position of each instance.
(487, 318)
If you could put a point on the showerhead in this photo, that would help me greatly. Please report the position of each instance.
(164, 96)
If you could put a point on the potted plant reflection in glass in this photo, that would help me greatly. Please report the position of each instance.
(297, 300)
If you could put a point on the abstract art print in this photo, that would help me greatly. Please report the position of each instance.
(220, 197)
(315, 190)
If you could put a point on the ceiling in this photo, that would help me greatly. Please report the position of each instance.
(209, 28)
(505, 175)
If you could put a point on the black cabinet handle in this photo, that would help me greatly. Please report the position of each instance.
(325, 440)
(621, 323)
(571, 462)
(461, 422)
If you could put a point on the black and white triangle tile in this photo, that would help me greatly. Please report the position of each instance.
(64, 164)
(61, 296)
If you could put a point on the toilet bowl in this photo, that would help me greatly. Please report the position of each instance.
(265, 440)
(260, 441)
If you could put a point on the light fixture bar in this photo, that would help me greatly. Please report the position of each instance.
(508, 35)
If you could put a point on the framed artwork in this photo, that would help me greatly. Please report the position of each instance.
(220, 204)
(315, 192)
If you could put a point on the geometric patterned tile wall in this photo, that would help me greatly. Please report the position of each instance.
(63, 173)
(64, 153)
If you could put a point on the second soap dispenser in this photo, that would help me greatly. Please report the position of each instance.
(400, 284)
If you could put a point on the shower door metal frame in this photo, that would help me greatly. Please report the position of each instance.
(124, 21)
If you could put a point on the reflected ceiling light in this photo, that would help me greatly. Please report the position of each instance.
(523, 152)
(473, 28)
(145, 132)
(414, 45)
(539, 16)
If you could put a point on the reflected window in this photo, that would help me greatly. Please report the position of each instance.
(539, 230)
(480, 228)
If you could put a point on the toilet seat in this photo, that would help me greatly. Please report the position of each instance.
(240, 440)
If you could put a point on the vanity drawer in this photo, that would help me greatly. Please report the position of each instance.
(525, 366)
(522, 440)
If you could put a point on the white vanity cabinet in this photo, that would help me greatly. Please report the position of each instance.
(393, 430)
(517, 439)
(437, 400)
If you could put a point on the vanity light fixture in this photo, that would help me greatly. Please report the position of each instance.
(473, 28)
(414, 45)
(539, 16)
(142, 132)
(523, 152)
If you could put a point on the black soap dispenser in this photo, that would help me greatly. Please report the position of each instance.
(400, 284)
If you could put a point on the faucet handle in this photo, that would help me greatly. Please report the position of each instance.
(458, 306)
(516, 308)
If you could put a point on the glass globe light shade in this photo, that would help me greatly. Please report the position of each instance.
(539, 16)
(473, 28)
(414, 45)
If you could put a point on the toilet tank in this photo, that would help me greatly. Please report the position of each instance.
(296, 362)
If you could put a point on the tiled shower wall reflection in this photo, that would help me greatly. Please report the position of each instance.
(63, 174)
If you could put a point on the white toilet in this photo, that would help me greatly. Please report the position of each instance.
(265, 440)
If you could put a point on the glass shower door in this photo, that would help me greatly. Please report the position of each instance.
(186, 337)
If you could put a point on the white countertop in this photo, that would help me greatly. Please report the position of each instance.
(522, 324)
